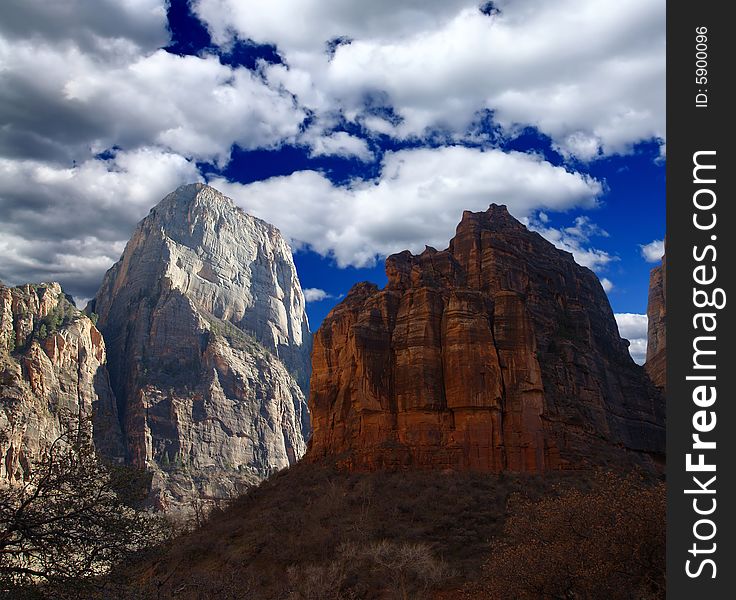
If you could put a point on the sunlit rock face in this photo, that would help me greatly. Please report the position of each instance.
(53, 378)
(499, 353)
(209, 347)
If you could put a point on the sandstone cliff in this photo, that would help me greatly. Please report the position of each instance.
(209, 344)
(656, 363)
(52, 377)
(499, 353)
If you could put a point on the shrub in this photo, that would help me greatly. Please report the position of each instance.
(606, 542)
(399, 570)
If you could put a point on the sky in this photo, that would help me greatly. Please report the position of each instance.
(358, 128)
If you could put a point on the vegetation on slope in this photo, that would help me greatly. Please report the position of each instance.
(314, 533)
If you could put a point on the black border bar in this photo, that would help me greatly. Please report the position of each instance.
(699, 120)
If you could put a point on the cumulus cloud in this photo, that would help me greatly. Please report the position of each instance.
(308, 25)
(633, 327)
(89, 23)
(590, 74)
(607, 284)
(71, 224)
(341, 143)
(44, 46)
(653, 251)
(575, 239)
(315, 295)
(418, 199)
(662, 158)
(99, 123)
(187, 104)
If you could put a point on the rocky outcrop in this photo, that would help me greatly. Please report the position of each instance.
(656, 363)
(499, 353)
(52, 378)
(209, 347)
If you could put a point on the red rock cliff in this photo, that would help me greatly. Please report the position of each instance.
(499, 353)
(656, 365)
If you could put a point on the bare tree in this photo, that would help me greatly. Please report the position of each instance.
(401, 569)
(325, 581)
(72, 519)
(409, 569)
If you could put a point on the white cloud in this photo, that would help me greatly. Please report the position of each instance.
(44, 46)
(662, 158)
(71, 224)
(607, 284)
(575, 239)
(378, 125)
(589, 73)
(83, 76)
(341, 143)
(191, 105)
(418, 199)
(307, 25)
(315, 295)
(653, 251)
(89, 23)
(80, 77)
(580, 145)
(633, 327)
(583, 229)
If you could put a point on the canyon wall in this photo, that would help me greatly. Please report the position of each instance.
(499, 353)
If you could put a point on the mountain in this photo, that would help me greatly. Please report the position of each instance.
(497, 354)
(209, 348)
(52, 376)
(656, 363)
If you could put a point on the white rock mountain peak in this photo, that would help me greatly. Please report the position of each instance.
(208, 345)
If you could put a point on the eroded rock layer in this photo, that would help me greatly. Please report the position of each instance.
(656, 363)
(52, 378)
(499, 353)
(209, 345)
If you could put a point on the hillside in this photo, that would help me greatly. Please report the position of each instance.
(314, 532)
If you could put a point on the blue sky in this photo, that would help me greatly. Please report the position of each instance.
(632, 213)
(359, 129)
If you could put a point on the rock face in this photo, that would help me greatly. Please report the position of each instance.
(52, 377)
(499, 353)
(209, 344)
(656, 363)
